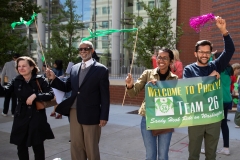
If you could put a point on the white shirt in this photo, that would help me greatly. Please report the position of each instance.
(89, 62)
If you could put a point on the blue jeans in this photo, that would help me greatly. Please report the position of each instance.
(156, 146)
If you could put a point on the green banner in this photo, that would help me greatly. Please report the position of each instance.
(184, 102)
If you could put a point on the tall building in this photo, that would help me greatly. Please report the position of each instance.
(227, 9)
(98, 15)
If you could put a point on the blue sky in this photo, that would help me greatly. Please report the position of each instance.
(83, 8)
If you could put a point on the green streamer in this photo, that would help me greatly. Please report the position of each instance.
(22, 21)
(100, 33)
(43, 58)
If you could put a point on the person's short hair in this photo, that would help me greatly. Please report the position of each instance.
(203, 43)
(31, 63)
(16, 55)
(86, 42)
(235, 66)
(176, 54)
(59, 64)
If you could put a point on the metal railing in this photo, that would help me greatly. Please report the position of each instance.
(118, 69)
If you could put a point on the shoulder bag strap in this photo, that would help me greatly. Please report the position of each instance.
(39, 86)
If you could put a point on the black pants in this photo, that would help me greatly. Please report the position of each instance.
(7, 101)
(38, 150)
(224, 126)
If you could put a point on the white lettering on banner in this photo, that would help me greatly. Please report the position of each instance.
(153, 120)
(187, 118)
(190, 107)
(213, 102)
(170, 119)
(211, 114)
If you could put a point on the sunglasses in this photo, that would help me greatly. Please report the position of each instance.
(85, 49)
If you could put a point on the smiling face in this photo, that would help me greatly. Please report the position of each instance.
(203, 55)
(85, 52)
(24, 68)
(163, 61)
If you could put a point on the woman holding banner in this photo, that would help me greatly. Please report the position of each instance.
(156, 142)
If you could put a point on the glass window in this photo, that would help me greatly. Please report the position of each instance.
(105, 24)
(151, 4)
(104, 42)
(105, 10)
(130, 3)
(139, 7)
(158, 3)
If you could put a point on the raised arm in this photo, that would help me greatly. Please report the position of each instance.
(223, 60)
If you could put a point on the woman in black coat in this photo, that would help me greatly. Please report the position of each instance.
(30, 126)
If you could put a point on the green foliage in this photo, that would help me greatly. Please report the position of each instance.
(12, 41)
(157, 31)
(106, 58)
(64, 30)
(11, 11)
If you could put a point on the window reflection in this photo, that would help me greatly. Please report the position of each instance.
(105, 42)
(138, 6)
(105, 24)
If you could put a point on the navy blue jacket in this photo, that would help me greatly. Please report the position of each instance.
(93, 98)
(219, 64)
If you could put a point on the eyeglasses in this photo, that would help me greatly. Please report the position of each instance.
(162, 58)
(85, 49)
(205, 52)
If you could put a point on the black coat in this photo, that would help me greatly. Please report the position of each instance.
(93, 98)
(30, 126)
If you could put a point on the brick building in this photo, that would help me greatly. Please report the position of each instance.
(227, 9)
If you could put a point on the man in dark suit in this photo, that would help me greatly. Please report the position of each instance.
(88, 105)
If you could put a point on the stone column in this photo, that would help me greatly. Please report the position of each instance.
(116, 17)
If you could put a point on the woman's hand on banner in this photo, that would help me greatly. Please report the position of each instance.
(154, 81)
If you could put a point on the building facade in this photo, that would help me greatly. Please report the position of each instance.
(227, 9)
(98, 15)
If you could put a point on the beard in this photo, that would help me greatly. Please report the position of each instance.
(201, 62)
(88, 56)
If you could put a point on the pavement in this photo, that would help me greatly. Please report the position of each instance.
(120, 140)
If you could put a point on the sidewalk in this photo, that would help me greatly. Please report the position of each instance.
(120, 140)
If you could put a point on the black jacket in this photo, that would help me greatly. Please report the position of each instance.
(30, 126)
(93, 98)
